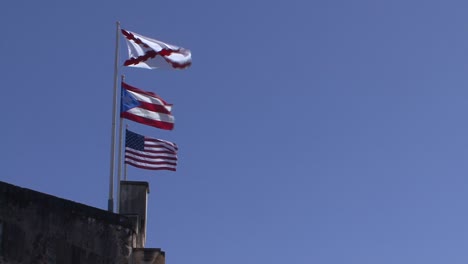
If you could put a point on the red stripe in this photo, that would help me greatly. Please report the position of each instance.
(136, 90)
(146, 121)
(152, 162)
(132, 151)
(129, 150)
(154, 107)
(155, 140)
(168, 151)
(160, 145)
(173, 151)
(161, 152)
(150, 168)
(148, 106)
(139, 91)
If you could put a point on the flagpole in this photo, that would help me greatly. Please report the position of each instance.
(125, 171)
(125, 164)
(120, 158)
(110, 204)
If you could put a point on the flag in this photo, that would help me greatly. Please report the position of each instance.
(148, 53)
(146, 108)
(149, 153)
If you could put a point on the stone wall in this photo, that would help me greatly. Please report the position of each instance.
(39, 228)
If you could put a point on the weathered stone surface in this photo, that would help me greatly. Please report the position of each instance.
(148, 256)
(133, 203)
(39, 228)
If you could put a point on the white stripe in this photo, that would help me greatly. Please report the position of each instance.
(159, 142)
(156, 155)
(150, 165)
(143, 159)
(151, 115)
(161, 149)
(156, 146)
(149, 99)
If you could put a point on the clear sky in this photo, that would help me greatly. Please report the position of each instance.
(329, 131)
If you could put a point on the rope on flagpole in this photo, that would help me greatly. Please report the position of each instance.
(110, 204)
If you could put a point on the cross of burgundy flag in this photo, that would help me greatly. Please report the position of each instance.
(148, 53)
(145, 108)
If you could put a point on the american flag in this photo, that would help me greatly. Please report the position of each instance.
(149, 153)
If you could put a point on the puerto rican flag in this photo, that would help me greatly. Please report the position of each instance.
(145, 108)
(148, 53)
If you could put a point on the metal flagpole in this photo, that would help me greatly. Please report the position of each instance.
(125, 164)
(125, 171)
(110, 204)
(120, 159)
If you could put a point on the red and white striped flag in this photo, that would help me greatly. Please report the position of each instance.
(148, 53)
(149, 153)
(146, 108)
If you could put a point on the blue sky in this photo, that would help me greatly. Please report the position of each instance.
(309, 131)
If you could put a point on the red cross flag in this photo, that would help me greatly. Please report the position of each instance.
(148, 53)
